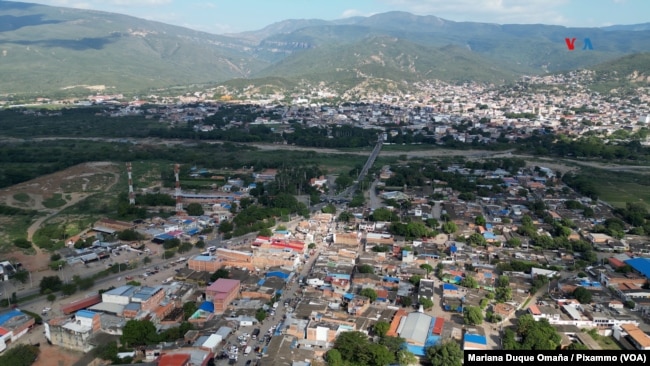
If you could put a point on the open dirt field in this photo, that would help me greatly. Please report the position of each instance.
(52, 193)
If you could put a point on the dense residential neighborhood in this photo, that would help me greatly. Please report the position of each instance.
(425, 263)
(471, 113)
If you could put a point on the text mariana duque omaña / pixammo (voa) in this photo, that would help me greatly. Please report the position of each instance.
(595, 358)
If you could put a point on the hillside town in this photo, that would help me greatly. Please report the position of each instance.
(433, 112)
(422, 264)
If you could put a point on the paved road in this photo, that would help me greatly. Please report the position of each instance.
(289, 293)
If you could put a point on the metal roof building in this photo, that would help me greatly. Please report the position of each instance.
(415, 329)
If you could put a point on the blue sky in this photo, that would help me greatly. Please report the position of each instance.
(221, 16)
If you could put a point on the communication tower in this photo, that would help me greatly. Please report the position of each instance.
(131, 193)
(179, 204)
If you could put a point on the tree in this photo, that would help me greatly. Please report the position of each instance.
(480, 220)
(311, 246)
(406, 301)
(21, 276)
(427, 267)
(473, 315)
(415, 280)
(50, 284)
(20, 355)
(185, 247)
(535, 335)
(503, 294)
(68, 289)
(146, 260)
(138, 333)
(351, 344)
(366, 268)
(406, 357)
(51, 297)
(426, 303)
(189, 308)
(582, 294)
(503, 281)
(333, 357)
(449, 227)
(476, 239)
(445, 354)
(514, 242)
(220, 273)
(382, 214)
(260, 315)
(194, 209)
(469, 282)
(381, 328)
(369, 293)
(265, 232)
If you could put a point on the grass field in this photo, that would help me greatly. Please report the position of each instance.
(55, 201)
(617, 188)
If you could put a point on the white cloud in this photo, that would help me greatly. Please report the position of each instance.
(348, 13)
(489, 11)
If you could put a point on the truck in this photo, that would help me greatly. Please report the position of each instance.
(248, 350)
(256, 332)
(275, 305)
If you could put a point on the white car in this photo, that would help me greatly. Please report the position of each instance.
(45, 310)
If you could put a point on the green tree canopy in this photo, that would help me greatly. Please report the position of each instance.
(139, 333)
(50, 284)
(445, 354)
(369, 293)
(220, 273)
(469, 282)
(20, 355)
(189, 308)
(472, 315)
(582, 294)
(449, 227)
(381, 328)
(366, 268)
(426, 303)
(194, 209)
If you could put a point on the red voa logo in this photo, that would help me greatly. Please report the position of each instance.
(571, 44)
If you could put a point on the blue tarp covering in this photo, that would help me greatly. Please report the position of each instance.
(416, 350)
(453, 249)
(475, 338)
(489, 235)
(348, 296)
(641, 265)
(260, 282)
(450, 287)
(164, 237)
(207, 306)
(6, 316)
(193, 231)
(282, 275)
(391, 279)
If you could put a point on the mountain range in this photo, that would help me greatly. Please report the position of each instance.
(56, 51)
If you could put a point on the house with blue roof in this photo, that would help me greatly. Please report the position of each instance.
(640, 265)
(474, 342)
(13, 325)
(73, 333)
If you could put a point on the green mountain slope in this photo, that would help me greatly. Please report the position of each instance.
(52, 51)
(46, 49)
(386, 58)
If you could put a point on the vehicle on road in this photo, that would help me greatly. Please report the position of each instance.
(45, 310)
(248, 350)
